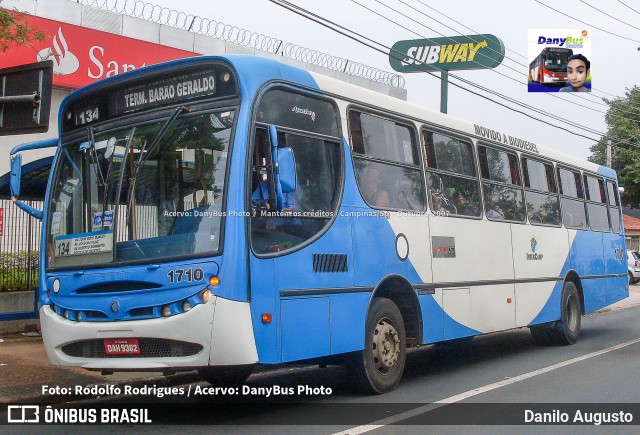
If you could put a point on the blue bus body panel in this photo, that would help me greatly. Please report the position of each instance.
(598, 292)
(252, 73)
(305, 328)
(617, 287)
(586, 258)
(607, 172)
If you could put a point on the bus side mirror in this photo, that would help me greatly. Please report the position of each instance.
(14, 187)
(287, 165)
(16, 173)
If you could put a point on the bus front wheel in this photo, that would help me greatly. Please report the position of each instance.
(227, 376)
(378, 368)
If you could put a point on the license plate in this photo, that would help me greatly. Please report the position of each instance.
(121, 346)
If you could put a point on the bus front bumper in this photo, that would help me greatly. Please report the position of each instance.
(216, 333)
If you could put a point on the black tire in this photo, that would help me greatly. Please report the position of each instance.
(631, 281)
(568, 329)
(379, 367)
(227, 376)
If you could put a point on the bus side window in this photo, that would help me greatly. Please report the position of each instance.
(541, 197)
(503, 196)
(614, 206)
(596, 204)
(451, 175)
(386, 162)
(572, 199)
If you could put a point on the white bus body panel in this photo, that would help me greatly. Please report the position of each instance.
(227, 338)
(415, 227)
(553, 244)
(482, 253)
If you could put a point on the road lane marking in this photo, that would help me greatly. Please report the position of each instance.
(467, 394)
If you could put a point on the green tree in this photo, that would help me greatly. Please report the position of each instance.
(14, 30)
(623, 128)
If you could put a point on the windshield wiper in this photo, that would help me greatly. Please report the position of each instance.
(94, 154)
(144, 157)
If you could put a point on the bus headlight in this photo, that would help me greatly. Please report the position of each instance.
(186, 306)
(56, 286)
(206, 295)
(166, 311)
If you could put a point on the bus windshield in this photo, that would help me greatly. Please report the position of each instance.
(145, 192)
(557, 60)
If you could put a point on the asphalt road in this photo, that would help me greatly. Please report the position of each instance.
(495, 370)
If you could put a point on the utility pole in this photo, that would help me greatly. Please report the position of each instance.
(608, 153)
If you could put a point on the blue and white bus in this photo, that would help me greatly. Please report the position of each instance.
(215, 213)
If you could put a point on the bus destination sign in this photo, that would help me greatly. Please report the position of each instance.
(167, 91)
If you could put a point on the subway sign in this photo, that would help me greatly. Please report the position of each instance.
(449, 53)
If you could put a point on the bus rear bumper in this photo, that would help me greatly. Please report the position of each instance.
(219, 332)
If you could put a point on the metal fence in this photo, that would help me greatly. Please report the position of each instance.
(237, 35)
(19, 248)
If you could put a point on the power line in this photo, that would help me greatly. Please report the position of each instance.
(495, 71)
(466, 27)
(629, 7)
(400, 56)
(609, 15)
(594, 91)
(584, 22)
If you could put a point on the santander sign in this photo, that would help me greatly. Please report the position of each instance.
(64, 61)
(82, 56)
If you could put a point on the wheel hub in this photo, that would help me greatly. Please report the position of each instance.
(386, 346)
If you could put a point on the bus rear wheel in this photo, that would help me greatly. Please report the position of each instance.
(567, 330)
(227, 376)
(379, 367)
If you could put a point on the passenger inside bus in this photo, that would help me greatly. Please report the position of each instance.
(464, 206)
(492, 210)
(373, 192)
(260, 192)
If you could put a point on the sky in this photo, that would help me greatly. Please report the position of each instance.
(615, 61)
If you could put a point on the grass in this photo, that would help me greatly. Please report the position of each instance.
(14, 271)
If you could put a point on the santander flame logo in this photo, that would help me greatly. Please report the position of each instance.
(64, 61)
